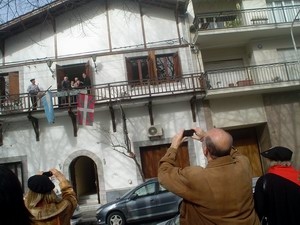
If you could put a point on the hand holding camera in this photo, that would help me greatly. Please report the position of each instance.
(188, 133)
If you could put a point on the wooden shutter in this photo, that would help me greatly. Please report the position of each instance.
(60, 73)
(14, 90)
(129, 70)
(177, 65)
(152, 65)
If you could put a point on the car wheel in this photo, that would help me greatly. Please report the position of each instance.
(116, 218)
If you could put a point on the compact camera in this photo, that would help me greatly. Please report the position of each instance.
(188, 133)
(48, 174)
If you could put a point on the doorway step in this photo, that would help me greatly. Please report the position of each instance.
(88, 199)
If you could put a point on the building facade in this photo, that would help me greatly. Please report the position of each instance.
(155, 67)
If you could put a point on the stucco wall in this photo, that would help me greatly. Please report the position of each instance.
(237, 111)
(283, 115)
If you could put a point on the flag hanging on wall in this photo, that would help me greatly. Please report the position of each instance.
(48, 106)
(85, 109)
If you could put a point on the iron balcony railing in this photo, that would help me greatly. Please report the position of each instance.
(106, 93)
(198, 83)
(241, 18)
(253, 75)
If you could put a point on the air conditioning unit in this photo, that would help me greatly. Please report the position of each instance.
(155, 131)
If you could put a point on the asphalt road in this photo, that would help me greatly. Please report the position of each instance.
(88, 218)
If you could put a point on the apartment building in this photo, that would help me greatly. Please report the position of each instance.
(155, 67)
(249, 52)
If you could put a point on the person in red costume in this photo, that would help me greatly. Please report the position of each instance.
(277, 193)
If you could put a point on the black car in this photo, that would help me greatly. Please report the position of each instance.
(148, 201)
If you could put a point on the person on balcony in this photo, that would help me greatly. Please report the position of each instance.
(221, 193)
(65, 87)
(33, 90)
(86, 83)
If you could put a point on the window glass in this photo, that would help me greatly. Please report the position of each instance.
(165, 67)
(148, 189)
(157, 68)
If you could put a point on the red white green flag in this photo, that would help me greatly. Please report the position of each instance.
(85, 109)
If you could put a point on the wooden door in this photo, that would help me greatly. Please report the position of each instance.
(245, 141)
(151, 155)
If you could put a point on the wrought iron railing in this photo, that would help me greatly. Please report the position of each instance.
(249, 17)
(253, 75)
(106, 93)
(190, 83)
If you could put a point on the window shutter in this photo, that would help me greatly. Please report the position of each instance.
(177, 65)
(14, 90)
(129, 70)
(88, 70)
(152, 65)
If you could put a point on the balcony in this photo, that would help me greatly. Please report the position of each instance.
(110, 93)
(212, 84)
(253, 79)
(240, 26)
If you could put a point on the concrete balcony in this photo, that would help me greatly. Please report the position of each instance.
(238, 27)
(253, 79)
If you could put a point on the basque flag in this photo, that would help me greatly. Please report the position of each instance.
(48, 106)
(85, 109)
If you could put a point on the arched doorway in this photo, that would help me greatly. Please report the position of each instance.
(84, 178)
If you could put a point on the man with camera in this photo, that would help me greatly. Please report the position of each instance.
(220, 193)
(43, 203)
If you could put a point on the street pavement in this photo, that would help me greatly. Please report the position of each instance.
(88, 218)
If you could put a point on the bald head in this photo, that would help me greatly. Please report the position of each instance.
(218, 142)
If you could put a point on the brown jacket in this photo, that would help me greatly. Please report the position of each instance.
(220, 194)
(57, 213)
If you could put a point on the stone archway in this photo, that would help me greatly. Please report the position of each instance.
(99, 168)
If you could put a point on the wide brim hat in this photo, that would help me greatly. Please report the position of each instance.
(40, 184)
(278, 153)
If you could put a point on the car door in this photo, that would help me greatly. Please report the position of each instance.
(142, 203)
(167, 202)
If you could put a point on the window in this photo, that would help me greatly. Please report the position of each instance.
(148, 189)
(285, 11)
(153, 68)
(16, 167)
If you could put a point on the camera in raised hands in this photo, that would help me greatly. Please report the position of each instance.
(188, 133)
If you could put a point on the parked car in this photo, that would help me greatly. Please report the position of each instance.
(76, 217)
(148, 201)
(172, 221)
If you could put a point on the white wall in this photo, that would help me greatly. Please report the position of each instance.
(237, 111)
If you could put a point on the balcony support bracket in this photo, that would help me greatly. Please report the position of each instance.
(35, 125)
(193, 107)
(74, 121)
(150, 113)
(113, 118)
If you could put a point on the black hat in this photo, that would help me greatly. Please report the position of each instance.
(32, 79)
(40, 184)
(278, 153)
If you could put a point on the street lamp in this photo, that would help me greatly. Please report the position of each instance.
(49, 64)
(94, 57)
(292, 35)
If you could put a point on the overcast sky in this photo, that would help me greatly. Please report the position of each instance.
(10, 9)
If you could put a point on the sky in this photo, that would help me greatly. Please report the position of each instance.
(10, 9)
